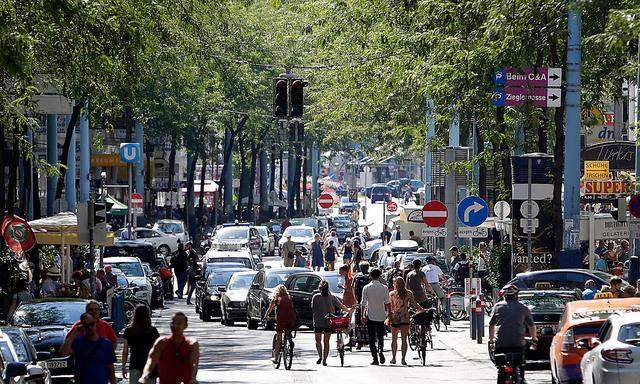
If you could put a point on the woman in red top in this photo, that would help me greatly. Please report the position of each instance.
(285, 314)
(347, 297)
(177, 357)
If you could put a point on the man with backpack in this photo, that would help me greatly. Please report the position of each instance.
(461, 269)
(360, 280)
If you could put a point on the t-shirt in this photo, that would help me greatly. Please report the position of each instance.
(322, 306)
(330, 253)
(92, 359)
(414, 284)
(588, 294)
(102, 327)
(433, 273)
(512, 319)
(140, 344)
(374, 297)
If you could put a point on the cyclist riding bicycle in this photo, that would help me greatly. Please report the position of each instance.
(435, 278)
(417, 283)
(512, 320)
(285, 315)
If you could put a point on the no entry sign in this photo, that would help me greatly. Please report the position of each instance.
(325, 201)
(434, 213)
(392, 206)
(136, 200)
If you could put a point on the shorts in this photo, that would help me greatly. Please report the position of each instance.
(321, 330)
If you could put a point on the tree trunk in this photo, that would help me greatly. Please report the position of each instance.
(26, 166)
(13, 175)
(229, 151)
(504, 152)
(203, 176)
(255, 149)
(272, 169)
(188, 204)
(305, 166)
(75, 115)
(37, 208)
(242, 191)
(296, 177)
(3, 189)
(558, 150)
(482, 174)
(172, 161)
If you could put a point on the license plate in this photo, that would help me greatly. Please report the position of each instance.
(551, 329)
(57, 364)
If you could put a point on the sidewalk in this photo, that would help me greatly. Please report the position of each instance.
(458, 338)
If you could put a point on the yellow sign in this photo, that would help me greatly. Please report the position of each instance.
(596, 170)
(106, 160)
(603, 295)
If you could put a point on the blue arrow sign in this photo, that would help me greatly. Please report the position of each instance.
(473, 211)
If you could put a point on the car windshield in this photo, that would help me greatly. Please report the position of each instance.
(273, 279)
(546, 302)
(22, 350)
(219, 277)
(241, 260)
(129, 268)
(341, 224)
(308, 221)
(48, 313)
(298, 232)
(241, 280)
(630, 334)
(233, 233)
(262, 231)
(606, 277)
(170, 227)
(7, 356)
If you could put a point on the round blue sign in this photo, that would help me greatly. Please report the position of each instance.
(473, 211)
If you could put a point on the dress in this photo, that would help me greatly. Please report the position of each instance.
(399, 311)
(347, 297)
(317, 258)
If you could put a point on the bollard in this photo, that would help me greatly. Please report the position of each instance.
(479, 311)
(472, 319)
(634, 270)
(447, 308)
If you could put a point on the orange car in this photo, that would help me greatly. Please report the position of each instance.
(581, 319)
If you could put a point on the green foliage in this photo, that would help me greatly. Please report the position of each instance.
(499, 266)
(11, 272)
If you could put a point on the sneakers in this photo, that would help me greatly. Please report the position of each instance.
(381, 357)
(375, 362)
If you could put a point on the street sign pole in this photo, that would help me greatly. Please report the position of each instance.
(131, 215)
(529, 208)
(636, 242)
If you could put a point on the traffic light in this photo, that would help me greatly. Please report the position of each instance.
(280, 88)
(296, 131)
(297, 97)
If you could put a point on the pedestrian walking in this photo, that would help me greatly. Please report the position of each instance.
(347, 251)
(176, 357)
(21, 296)
(317, 258)
(194, 272)
(323, 304)
(180, 264)
(103, 328)
(139, 338)
(288, 252)
(330, 254)
(400, 299)
(347, 297)
(94, 356)
(358, 255)
(375, 304)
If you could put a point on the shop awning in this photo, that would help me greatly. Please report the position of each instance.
(118, 208)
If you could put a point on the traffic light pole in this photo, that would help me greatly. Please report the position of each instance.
(91, 219)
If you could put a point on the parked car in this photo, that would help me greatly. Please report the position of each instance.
(133, 270)
(261, 293)
(234, 237)
(172, 227)
(394, 187)
(25, 352)
(164, 244)
(268, 240)
(303, 285)
(371, 250)
(380, 192)
(15, 371)
(348, 206)
(234, 297)
(208, 294)
(243, 257)
(581, 320)
(157, 289)
(47, 322)
(546, 308)
(408, 258)
(561, 279)
(614, 355)
(301, 235)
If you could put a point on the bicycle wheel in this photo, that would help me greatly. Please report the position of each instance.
(414, 338)
(436, 320)
(422, 352)
(288, 352)
(278, 357)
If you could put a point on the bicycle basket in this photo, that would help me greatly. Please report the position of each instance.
(337, 323)
(423, 318)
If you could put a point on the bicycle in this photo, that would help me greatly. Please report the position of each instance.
(338, 324)
(438, 315)
(420, 333)
(286, 350)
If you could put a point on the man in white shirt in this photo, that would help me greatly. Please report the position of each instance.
(332, 236)
(375, 306)
(435, 277)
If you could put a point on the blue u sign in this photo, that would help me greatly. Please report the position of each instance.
(130, 152)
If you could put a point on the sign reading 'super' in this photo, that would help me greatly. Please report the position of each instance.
(608, 187)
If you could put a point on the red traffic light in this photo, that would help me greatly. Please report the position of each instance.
(297, 98)
(280, 97)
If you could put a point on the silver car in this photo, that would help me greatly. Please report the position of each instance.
(268, 240)
(615, 354)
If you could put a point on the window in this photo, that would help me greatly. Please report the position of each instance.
(576, 280)
(258, 279)
(314, 282)
(605, 332)
(630, 334)
(143, 234)
(555, 279)
(300, 283)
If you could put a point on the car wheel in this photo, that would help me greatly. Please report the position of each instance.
(164, 250)
(206, 316)
(251, 324)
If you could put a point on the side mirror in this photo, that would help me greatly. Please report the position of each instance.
(222, 288)
(43, 355)
(35, 372)
(255, 286)
(14, 370)
(260, 265)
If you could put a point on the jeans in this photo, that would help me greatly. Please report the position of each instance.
(376, 334)
(182, 281)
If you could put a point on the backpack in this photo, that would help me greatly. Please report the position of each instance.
(359, 282)
(462, 272)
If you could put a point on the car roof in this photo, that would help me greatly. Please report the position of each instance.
(580, 309)
(228, 225)
(58, 300)
(170, 221)
(287, 269)
(246, 271)
(121, 259)
(130, 243)
(546, 292)
(299, 227)
(234, 269)
(218, 253)
(533, 273)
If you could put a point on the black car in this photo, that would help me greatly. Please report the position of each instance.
(208, 295)
(261, 293)
(343, 230)
(302, 286)
(561, 279)
(546, 308)
(27, 354)
(234, 297)
(380, 192)
(47, 322)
